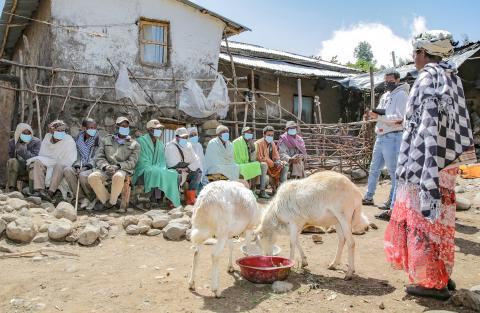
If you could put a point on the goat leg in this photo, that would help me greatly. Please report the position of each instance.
(230, 258)
(340, 245)
(191, 282)
(217, 250)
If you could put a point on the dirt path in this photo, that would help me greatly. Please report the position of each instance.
(149, 274)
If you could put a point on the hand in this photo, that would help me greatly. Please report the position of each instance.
(373, 115)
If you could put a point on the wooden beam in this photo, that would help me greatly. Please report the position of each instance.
(300, 99)
(235, 85)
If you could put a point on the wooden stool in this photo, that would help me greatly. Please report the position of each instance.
(127, 188)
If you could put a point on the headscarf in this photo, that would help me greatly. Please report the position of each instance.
(293, 142)
(19, 130)
(58, 126)
(191, 130)
(221, 129)
(435, 42)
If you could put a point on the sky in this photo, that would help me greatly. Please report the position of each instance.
(334, 28)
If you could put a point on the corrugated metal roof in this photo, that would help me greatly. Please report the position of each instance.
(282, 67)
(249, 50)
(363, 81)
(10, 32)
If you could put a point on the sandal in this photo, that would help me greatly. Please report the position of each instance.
(419, 291)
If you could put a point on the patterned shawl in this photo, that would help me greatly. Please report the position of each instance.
(437, 132)
(293, 142)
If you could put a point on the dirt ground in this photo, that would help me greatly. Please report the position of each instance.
(149, 274)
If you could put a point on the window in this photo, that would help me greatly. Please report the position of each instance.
(154, 42)
(307, 111)
(256, 80)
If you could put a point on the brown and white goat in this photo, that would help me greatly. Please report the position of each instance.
(322, 199)
(224, 209)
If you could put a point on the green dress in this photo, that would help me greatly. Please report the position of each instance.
(248, 169)
(151, 164)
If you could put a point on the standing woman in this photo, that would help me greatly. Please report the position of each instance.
(436, 139)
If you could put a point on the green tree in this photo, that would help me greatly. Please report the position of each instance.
(363, 51)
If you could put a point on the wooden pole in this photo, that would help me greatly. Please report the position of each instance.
(22, 86)
(234, 74)
(278, 98)
(67, 96)
(372, 89)
(394, 59)
(45, 115)
(252, 73)
(39, 120)
(300, 98)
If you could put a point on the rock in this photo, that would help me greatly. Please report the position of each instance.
(145, 220)
(22, 230)
(129, 220)
(143, 229)
(71, 238)
(130, 210)
(8, 217)
(17, 203)
(154, 232)
(189, 210)
(132, 230)
(313, 230)
(459, 189)
(43, 228)
(475, 201)
(6, 249)
(89, 235)
(160, 221)
(381, 306)
(58, 230)
(467, 298)
(176, 213)
(153, 213)
(188, 234)
(358, 174)
(281, 286)
(8, 209)
(475, 289)
(65, 210)
(114, 215)
(3, 226)
(183, 220)
(317, 238)
(463, 204)
(49, 207)
(3, 197)
(38, 211)
(24, 212)
(210, 124)
(15, 194)
(175, 231)
(34, 200)
(40, 238)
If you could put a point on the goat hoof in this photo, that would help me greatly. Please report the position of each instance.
(349, 276)
(230, 269)
(304, 264)
(216, 293)
(191, 286)
(332, 267)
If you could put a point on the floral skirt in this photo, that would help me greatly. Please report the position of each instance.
(424, 249)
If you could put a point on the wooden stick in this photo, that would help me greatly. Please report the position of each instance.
(39, 120)
(278, 100)
(235, 85)
(141, 86)
(252, 73)
(67, 96)
(45, 116)
(22, 85)
(372, 89)
(299, 99)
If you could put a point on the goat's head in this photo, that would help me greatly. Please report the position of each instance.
(265, 238)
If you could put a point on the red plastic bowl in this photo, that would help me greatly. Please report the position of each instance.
(264, 269)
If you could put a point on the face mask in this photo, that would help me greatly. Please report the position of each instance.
(59, 135)
(124, 131)
(91, 132)
(225, 137)
(182, 142)
(292, 131)
(157, 133)
(193, 139)
(390, 86)
(26, 138)
(248, 136)
(269, 139)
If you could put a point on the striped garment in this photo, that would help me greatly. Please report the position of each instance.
(85, 147)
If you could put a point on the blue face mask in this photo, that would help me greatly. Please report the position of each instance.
(225, 137)
(193, 139)
(292, 131)
(182, 142)
(124, 131)
(26, 138)
(248, 136)
(269, 139)
(91, 132)
(157, 133)
(59, 135)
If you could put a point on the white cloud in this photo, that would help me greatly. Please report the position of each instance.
(380, 36)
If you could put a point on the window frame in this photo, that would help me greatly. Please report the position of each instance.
(142, 41)
(312, 115)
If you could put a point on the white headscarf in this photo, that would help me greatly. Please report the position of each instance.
(20, 128)
(435, 42)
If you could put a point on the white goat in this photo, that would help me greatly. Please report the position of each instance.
(224, 209)
(323, 199)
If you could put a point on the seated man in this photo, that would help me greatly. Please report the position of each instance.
(116, 158)
(21, 148)
(180, 156)
(292, 150)
(57, 151)
(198, 148)
(219, 156)
(246, 156)
(87, 142)
(267, 154)
(151, 170)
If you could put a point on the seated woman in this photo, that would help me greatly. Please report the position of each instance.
(246, 157)
(21, 148)
(292, 150)
(219, 157)
(151, 169)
